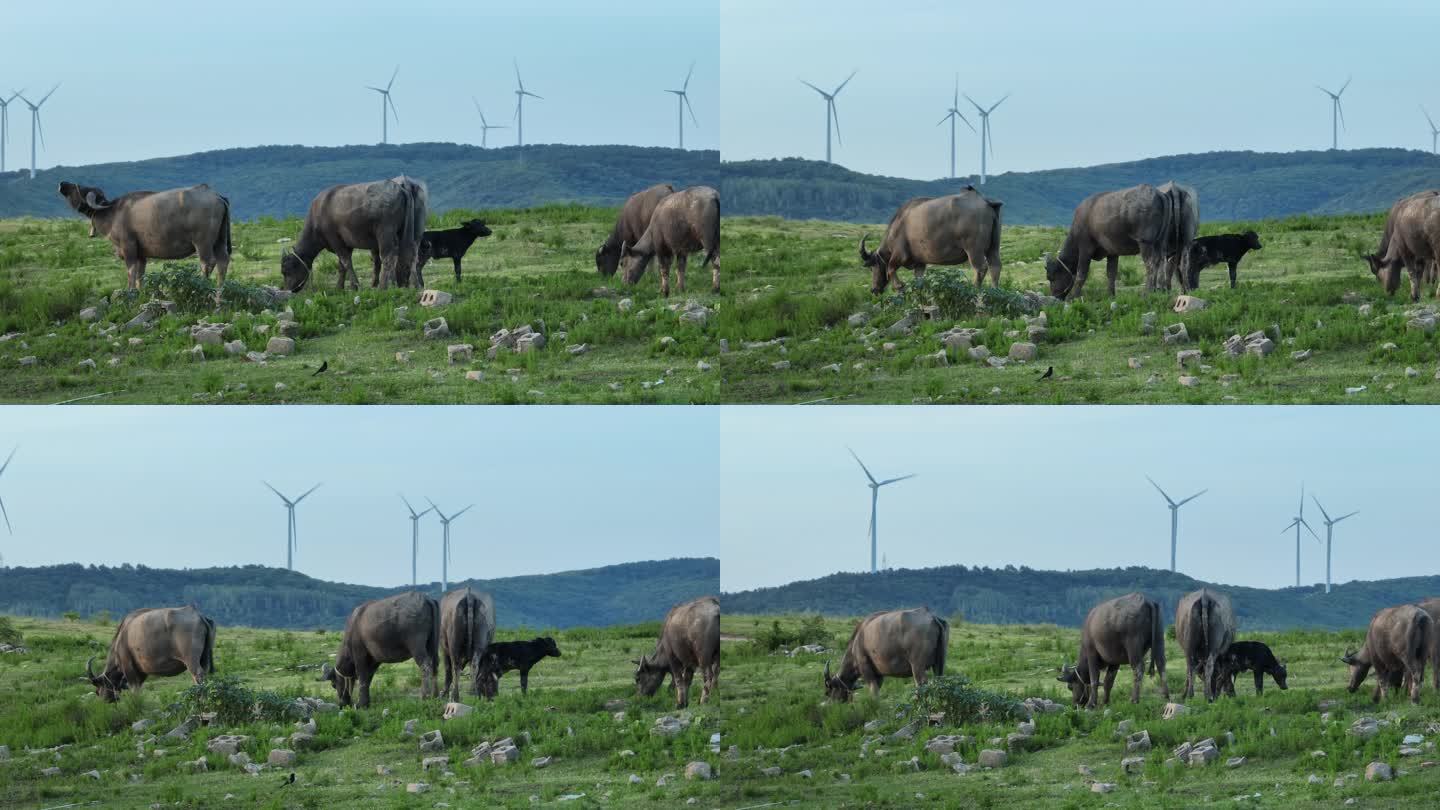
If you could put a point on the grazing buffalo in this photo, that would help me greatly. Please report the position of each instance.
(1157, 223)
(467, 626)
(683, 223)
(894, 643)
(155, 641)
(385, 631)
(386, 217)
(1432, 607)
(504, 656)
(1117, 631)
(1204, 628)
(145, 225)
(1396, 646)
(450, 244)
(689, 640)
(1253, 656)
(1228, 248)
(938, 230)
(630, 226)
(1410, 242)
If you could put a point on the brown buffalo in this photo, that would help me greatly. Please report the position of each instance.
(1157, 223)
(1204, 628)
(894, 643)
(960, 228)
(1410, 242)
(1117, 631)
(683, 223)
(630, 226)
(155, 641)
(689, 640)
(1396, 646)
(385, 631)
(467, 626)
(1432, 607)
(386, 217)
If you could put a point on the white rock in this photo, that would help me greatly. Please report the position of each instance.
(280, 346)
(432, 298)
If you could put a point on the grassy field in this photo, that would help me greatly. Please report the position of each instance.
(779, 718)
(799, 283)
(537, 269)
(45, 702)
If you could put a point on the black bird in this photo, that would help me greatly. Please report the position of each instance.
(287, 780)
(1049, 372)
(324, 366)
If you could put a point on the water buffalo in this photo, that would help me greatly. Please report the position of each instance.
(1252, 656)
(1396, 646)
(385, 631)
(155, 641)
(1410, 242)
(145, 225)
(630, 226)
(938, 230)
(1157, 223)
(467, 626)
(1204, 628)
(689, 640)
(894, 643)
(504, 656)
(1117, 631)
(1227, 248)
(1432, 607)
(451, 243)
(683, 223)
(386, 217)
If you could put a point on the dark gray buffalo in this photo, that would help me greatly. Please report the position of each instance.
(689, 640)
(683, 223)
(155, 641)
(1159, 224)
(893, 643)
(630, 226)
(960, 228)
(1204, 628)
(1396, 646)
(385, 631)
(1410, 242)
(145, 225)
(386, 217)
(1117, 631)
(467, 626)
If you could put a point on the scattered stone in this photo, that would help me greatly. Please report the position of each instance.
(280, 346)
(625, 304)
(1135, 363)
(1301, 356)
(1188, 357)
(226, 743)
(460, 353)
(992, 758)
(53, 771)
(1355, 389)
(417, 787)
(635, 778)
(669, 725)
(196, 766)
(937, 359)
(454, 710)
(540, 762)
(1023, 352)
(780, 365)
(184, 730)
(289, 329)
(434, 298)
(1411, 372)
(1314, 780)
(436, 328)
(440, 761)
(698, 770)
(578, 348)
(1189, 303)
(771, 771)
(1102, 787)
(1176, 333)
(1139, 742)
(1132, 764)
(1148, 322)
(1425, 322)
(28, 360)
(1378, 772)
(980, 353)
(1234, 762)
(1173, 710)
(1200, 757)
(1187, 381)
(805, 774)
(902, 327)
(282, 758)
(431, 741)
(858, 319)
(504, 755)
(138, 726)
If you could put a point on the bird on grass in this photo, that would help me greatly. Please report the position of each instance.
(324, 366)
(1049, 372)
(287, 780)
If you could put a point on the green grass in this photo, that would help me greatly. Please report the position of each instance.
(45, 702)
(538, 266)
(776, 702)
(798, 283)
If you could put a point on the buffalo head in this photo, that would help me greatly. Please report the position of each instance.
(340, 681)
(648, 675)
(607, 259)
(476, 228)
(547, 645)
(1386, 271)
(1252, 240)
(835, 687)
(1061, 278)
(295, 271)
(633, 263)
(86, 200)
(1070, 675)
(1358, 669)
(1279, 673)
(876, 261)
(108, 687)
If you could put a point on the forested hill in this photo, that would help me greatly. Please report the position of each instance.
(1026, 596)
(257, 596)
(281, 180)
(1231, 185)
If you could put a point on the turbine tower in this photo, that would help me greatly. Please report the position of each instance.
(415, 538)
(874, 502)
(5, 125)
(485, 126)
(950, 115)
(35, 126)
(831, 115)
(520, 94)
(986, 139)
(1337, 113)
(445, 555)
(1329, 536)
(387, 106)
(292, 536)
(1434, 136)
(1296, 524)
(2, 500)
(682, 100)
(1174, 514)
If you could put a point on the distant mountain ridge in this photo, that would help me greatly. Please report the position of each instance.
(1027, 596)
(257, 596)
(280, 181)
(1231, 185)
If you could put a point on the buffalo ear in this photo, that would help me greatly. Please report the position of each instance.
(625, 249)
(327, 673)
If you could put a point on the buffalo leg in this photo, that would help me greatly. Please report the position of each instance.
(136, 269)
(713, 259)
(1092, 681)
(363, 675)
(708, 677)
(449, 675)
(1189, 690)
(1082, 272)
(1417, 677)
(681, 677)
(345, 258)
(1210, 678)
(1110, 674)
(524, 680)
(977, 263)
(1138, 665)
(457, 267)
(1259, 682)
(892, 274)
(1416, 282)
(681, 260)
(1233, 266)
(665, 276)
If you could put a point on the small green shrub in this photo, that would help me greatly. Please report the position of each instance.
(71, 616)
(9, 633)
(233, 702)
(963, 703)
(948, 289)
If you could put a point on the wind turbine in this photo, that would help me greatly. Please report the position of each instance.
(520, 94)
(950, 115)
(445, 556)
(384, 112)
(485, 126)
(830, 115)
(986, 140)
(5, 125)
(1337, 113)
(35, 126)
(1174, 514)
(874, 501)
(1434, 135)
(1329, 535)
(2, 500)
(415, 537)
(1296, 524)
(682, 100)
(292, 536)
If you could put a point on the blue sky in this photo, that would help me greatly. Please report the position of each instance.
(168, 77)
(1096, 82)
(555, 489)
(1064, 488)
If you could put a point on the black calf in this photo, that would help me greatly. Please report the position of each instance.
(452, 243)
(1228, 248)
(503, 656)
(1253, 656)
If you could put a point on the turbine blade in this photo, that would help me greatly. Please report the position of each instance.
(1162, 492)
(40, 126)
(7, 460)
(391, 83)
(1345, 85)
(408, 506)
(462, 511)
(998, 103)
(47, 96)
(686, 98)
(532, 95)
(847, 81)
(816, 89)
(1342, 517)
(1312, 531)
(1341, 108)
(691, 72)
(989, 135)
(394, 111)
(1428, 118)
(8, 528)
(835, 114)
(1322, 509)
(1192, 497)
(956, 110)
(863, 467)
(1323, 90)
(955, 99)
(893, 480)
(518, 80)
(276, 491)
(1289, 526)
(437, 511)
(307, 493)
(376, 89)
(947, 117)
(978, 108)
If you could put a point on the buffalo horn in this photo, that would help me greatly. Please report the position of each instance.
(89, 670)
